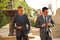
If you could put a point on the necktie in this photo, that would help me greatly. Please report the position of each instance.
(45, 20)
(46, 24)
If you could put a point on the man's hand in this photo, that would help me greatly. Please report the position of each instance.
(49, 24)
(26, 34)
(43, 25)
(19, 27)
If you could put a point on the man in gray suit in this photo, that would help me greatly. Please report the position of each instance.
(21, 20)
(44, 22)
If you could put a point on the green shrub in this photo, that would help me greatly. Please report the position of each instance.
(32, 22)
(3, 20)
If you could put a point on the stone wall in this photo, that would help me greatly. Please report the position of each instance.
(56, 28)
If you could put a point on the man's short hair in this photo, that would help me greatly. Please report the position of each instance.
(20, 7)
(44, 8)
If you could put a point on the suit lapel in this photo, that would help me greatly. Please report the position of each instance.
(42, 18)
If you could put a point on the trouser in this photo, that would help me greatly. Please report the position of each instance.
(22, 36)
(46, 36)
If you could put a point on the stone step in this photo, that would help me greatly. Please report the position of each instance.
(13, 37)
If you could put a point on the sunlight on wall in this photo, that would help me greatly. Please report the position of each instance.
(38, 4)
(58, 4)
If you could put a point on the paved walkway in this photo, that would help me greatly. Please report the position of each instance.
(4, 31)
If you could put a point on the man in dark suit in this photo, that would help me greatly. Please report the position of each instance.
(44, 22)
(21, 20)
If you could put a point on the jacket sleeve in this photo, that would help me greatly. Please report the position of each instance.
(52, 22)
(38, 24)
(27, 20)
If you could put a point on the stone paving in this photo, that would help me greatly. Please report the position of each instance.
(4, 31)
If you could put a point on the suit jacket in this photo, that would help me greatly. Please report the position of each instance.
(40, 21)
(16, 20)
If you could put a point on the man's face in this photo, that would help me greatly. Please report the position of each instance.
(45, 12)
(20, 10)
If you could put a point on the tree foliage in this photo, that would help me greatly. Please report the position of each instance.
(3, 19)
(3, 4)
